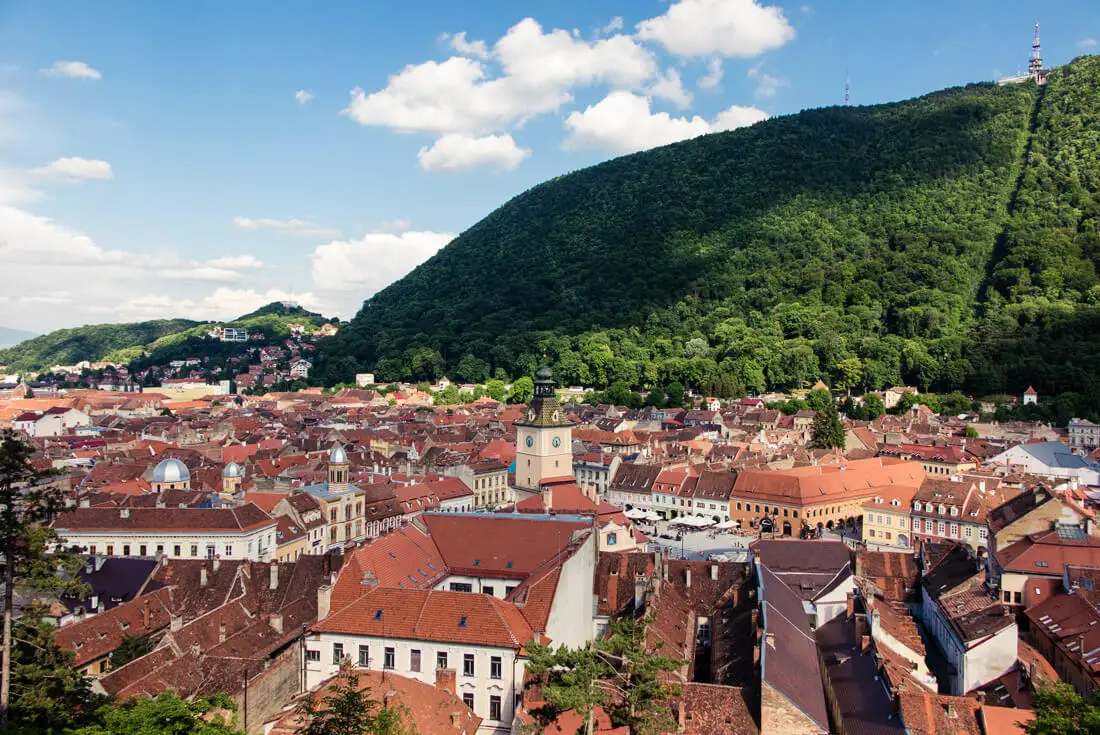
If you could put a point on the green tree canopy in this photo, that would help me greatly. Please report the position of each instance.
(828, 431)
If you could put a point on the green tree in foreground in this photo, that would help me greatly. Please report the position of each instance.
(348, 710)
(618, 674)
(31, 550)
(166, 714)
(828, 432)
(495, 390)
(1060, 710)
(48, 695)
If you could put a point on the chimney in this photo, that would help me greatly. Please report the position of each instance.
(714, 572)
(202, 576)
(273, 571)
(456, 720)
(639, 592)
(276, 621)
(981, 699)
(196, 649)
(123, 512)
(388, 698)
(447, 680)
(84, 503)
(324, 601)
(548, 499)
(99, 604)
(164, 560)
(850, 601)
(175, 623)
(221, 632)
(864, 644)
(769, 638)
(217, 563)
(861, 624)
(687, 577)
(145, 614)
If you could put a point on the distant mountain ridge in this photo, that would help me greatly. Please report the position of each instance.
(9, 336)
(949, 241)
(157, 339)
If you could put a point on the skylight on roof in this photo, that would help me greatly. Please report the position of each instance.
(509, 565)
(393, 555)
(378, 614)
(431, 566)
(477, 562)
(462, 622)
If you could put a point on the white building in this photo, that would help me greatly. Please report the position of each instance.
(426, 635)
(301, 368)
(1050, 459)
(364, 379)
(245, 532)
(55, 421)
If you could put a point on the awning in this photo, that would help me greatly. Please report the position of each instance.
(635, 514)
(726, 524)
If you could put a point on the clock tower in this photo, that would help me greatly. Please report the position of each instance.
(544, 438)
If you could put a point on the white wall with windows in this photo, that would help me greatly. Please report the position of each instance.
(255, 545)
(489, 679)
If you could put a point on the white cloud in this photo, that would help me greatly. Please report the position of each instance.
(735, 28)
(714, 75)
(458, 152)
(72, 70)
(458, 42)
(622, 122)
(51, 298)
(303, 96)
(75, 168)
(1087, 43)
(223, 303)
(538, 71)
(394, 225)
(669, 86)
(766, 84)
(296, 227)
(235, 261)
(613, 26)
(346, 272)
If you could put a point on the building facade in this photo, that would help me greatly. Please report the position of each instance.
(544, 438)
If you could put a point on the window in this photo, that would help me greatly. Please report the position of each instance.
(126, 549)
(954, 530)
(337, 653)
(494, 707)
(142, 550)
(468, 664)
(508, 590)
(928, 525)
(364, 656)
(211, 551)
(390, 658)
(495, 667)
(229, 549)
(414, 659)
(441, 659)
(941, 528)
(91, 549)
(983, 533)
(969, 531)
(1042, 564)
(194, 549)
(461, 587)
(313, 655)
(489, 590)
(468, 699)
(110, 550)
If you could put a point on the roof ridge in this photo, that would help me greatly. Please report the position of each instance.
(423, 607)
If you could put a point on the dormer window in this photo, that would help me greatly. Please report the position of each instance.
(954, 510)
(916, 505)
(895, 502)
(927, 507)
(942, 509)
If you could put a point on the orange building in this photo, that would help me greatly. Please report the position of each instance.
(821, 496)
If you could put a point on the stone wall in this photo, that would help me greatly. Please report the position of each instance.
(270, 691)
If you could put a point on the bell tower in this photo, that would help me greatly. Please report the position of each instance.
(544, 437)
(338, 470)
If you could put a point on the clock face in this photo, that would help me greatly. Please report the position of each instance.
(530, 441)
(557, 442)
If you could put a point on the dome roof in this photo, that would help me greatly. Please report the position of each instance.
(338, 455)
(232, 470)
(544, 375)
(171, 470)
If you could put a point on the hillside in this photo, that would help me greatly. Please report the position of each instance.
(947, 241)
(70, 346)
(151, 342)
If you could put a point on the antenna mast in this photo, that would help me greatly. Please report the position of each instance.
(847, 89)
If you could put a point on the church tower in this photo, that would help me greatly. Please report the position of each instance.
(338, 470)
(544, 438)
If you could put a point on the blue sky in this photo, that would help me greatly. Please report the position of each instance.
(201, 159)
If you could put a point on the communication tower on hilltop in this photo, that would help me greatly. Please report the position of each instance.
(1035, 71)
(847, 90)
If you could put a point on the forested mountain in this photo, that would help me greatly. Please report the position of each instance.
(948, 241)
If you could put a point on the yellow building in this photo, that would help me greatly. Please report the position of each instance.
(886, 518)
(544, 438)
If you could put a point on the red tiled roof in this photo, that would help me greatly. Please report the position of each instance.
(511, 546)
(427, 615)
(243, 518)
